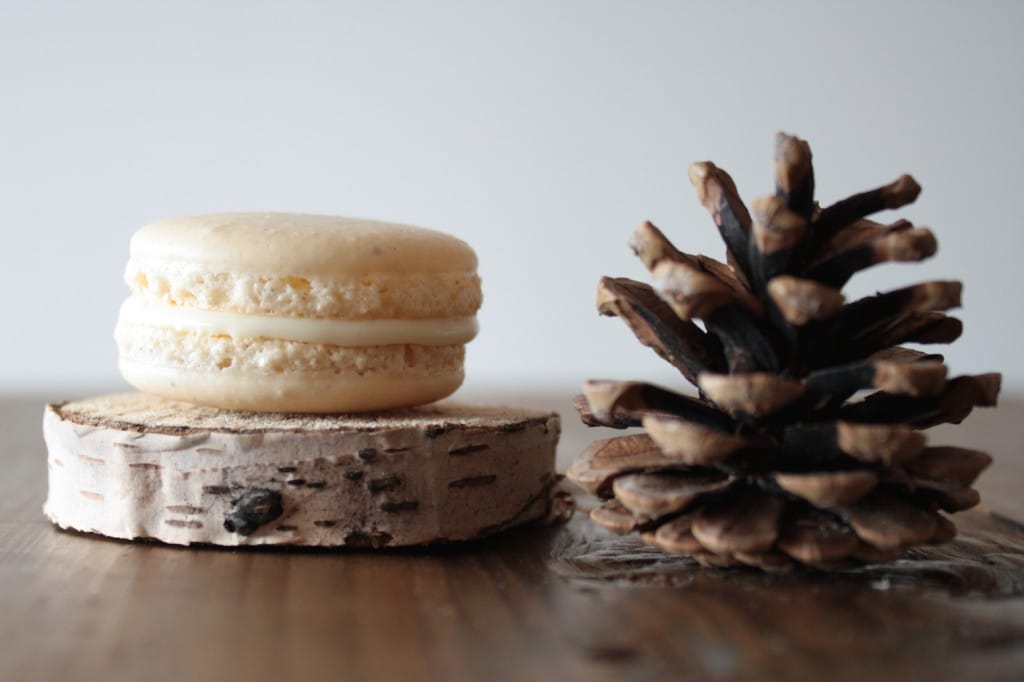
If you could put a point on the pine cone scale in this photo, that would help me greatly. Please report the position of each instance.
(690, 443)
(828, 489)
(668, 492)
(794, 174)
(815, 539)
(743, 519)
(888, 522)
(678, 341)
(675, 536)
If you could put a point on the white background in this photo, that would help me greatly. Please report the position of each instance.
(540, 132)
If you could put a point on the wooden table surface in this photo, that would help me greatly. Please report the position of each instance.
(565, 602)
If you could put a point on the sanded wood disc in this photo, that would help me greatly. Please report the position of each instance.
(135, 466)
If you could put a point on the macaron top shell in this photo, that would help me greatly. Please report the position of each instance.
(295, 244)
(297, 265)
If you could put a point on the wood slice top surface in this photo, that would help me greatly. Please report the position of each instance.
(148, 414)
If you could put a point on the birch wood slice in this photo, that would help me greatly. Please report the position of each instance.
(136, 466)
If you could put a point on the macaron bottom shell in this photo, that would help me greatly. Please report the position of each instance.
(313, 392)
(276, 375)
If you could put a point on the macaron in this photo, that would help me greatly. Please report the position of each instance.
(277, 312)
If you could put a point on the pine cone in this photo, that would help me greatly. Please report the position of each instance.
(779, 462)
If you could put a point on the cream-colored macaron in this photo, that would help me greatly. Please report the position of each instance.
(280, 312)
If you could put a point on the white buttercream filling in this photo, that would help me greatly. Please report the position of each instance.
(428, 332)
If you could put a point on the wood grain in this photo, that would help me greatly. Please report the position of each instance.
(567, 602)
